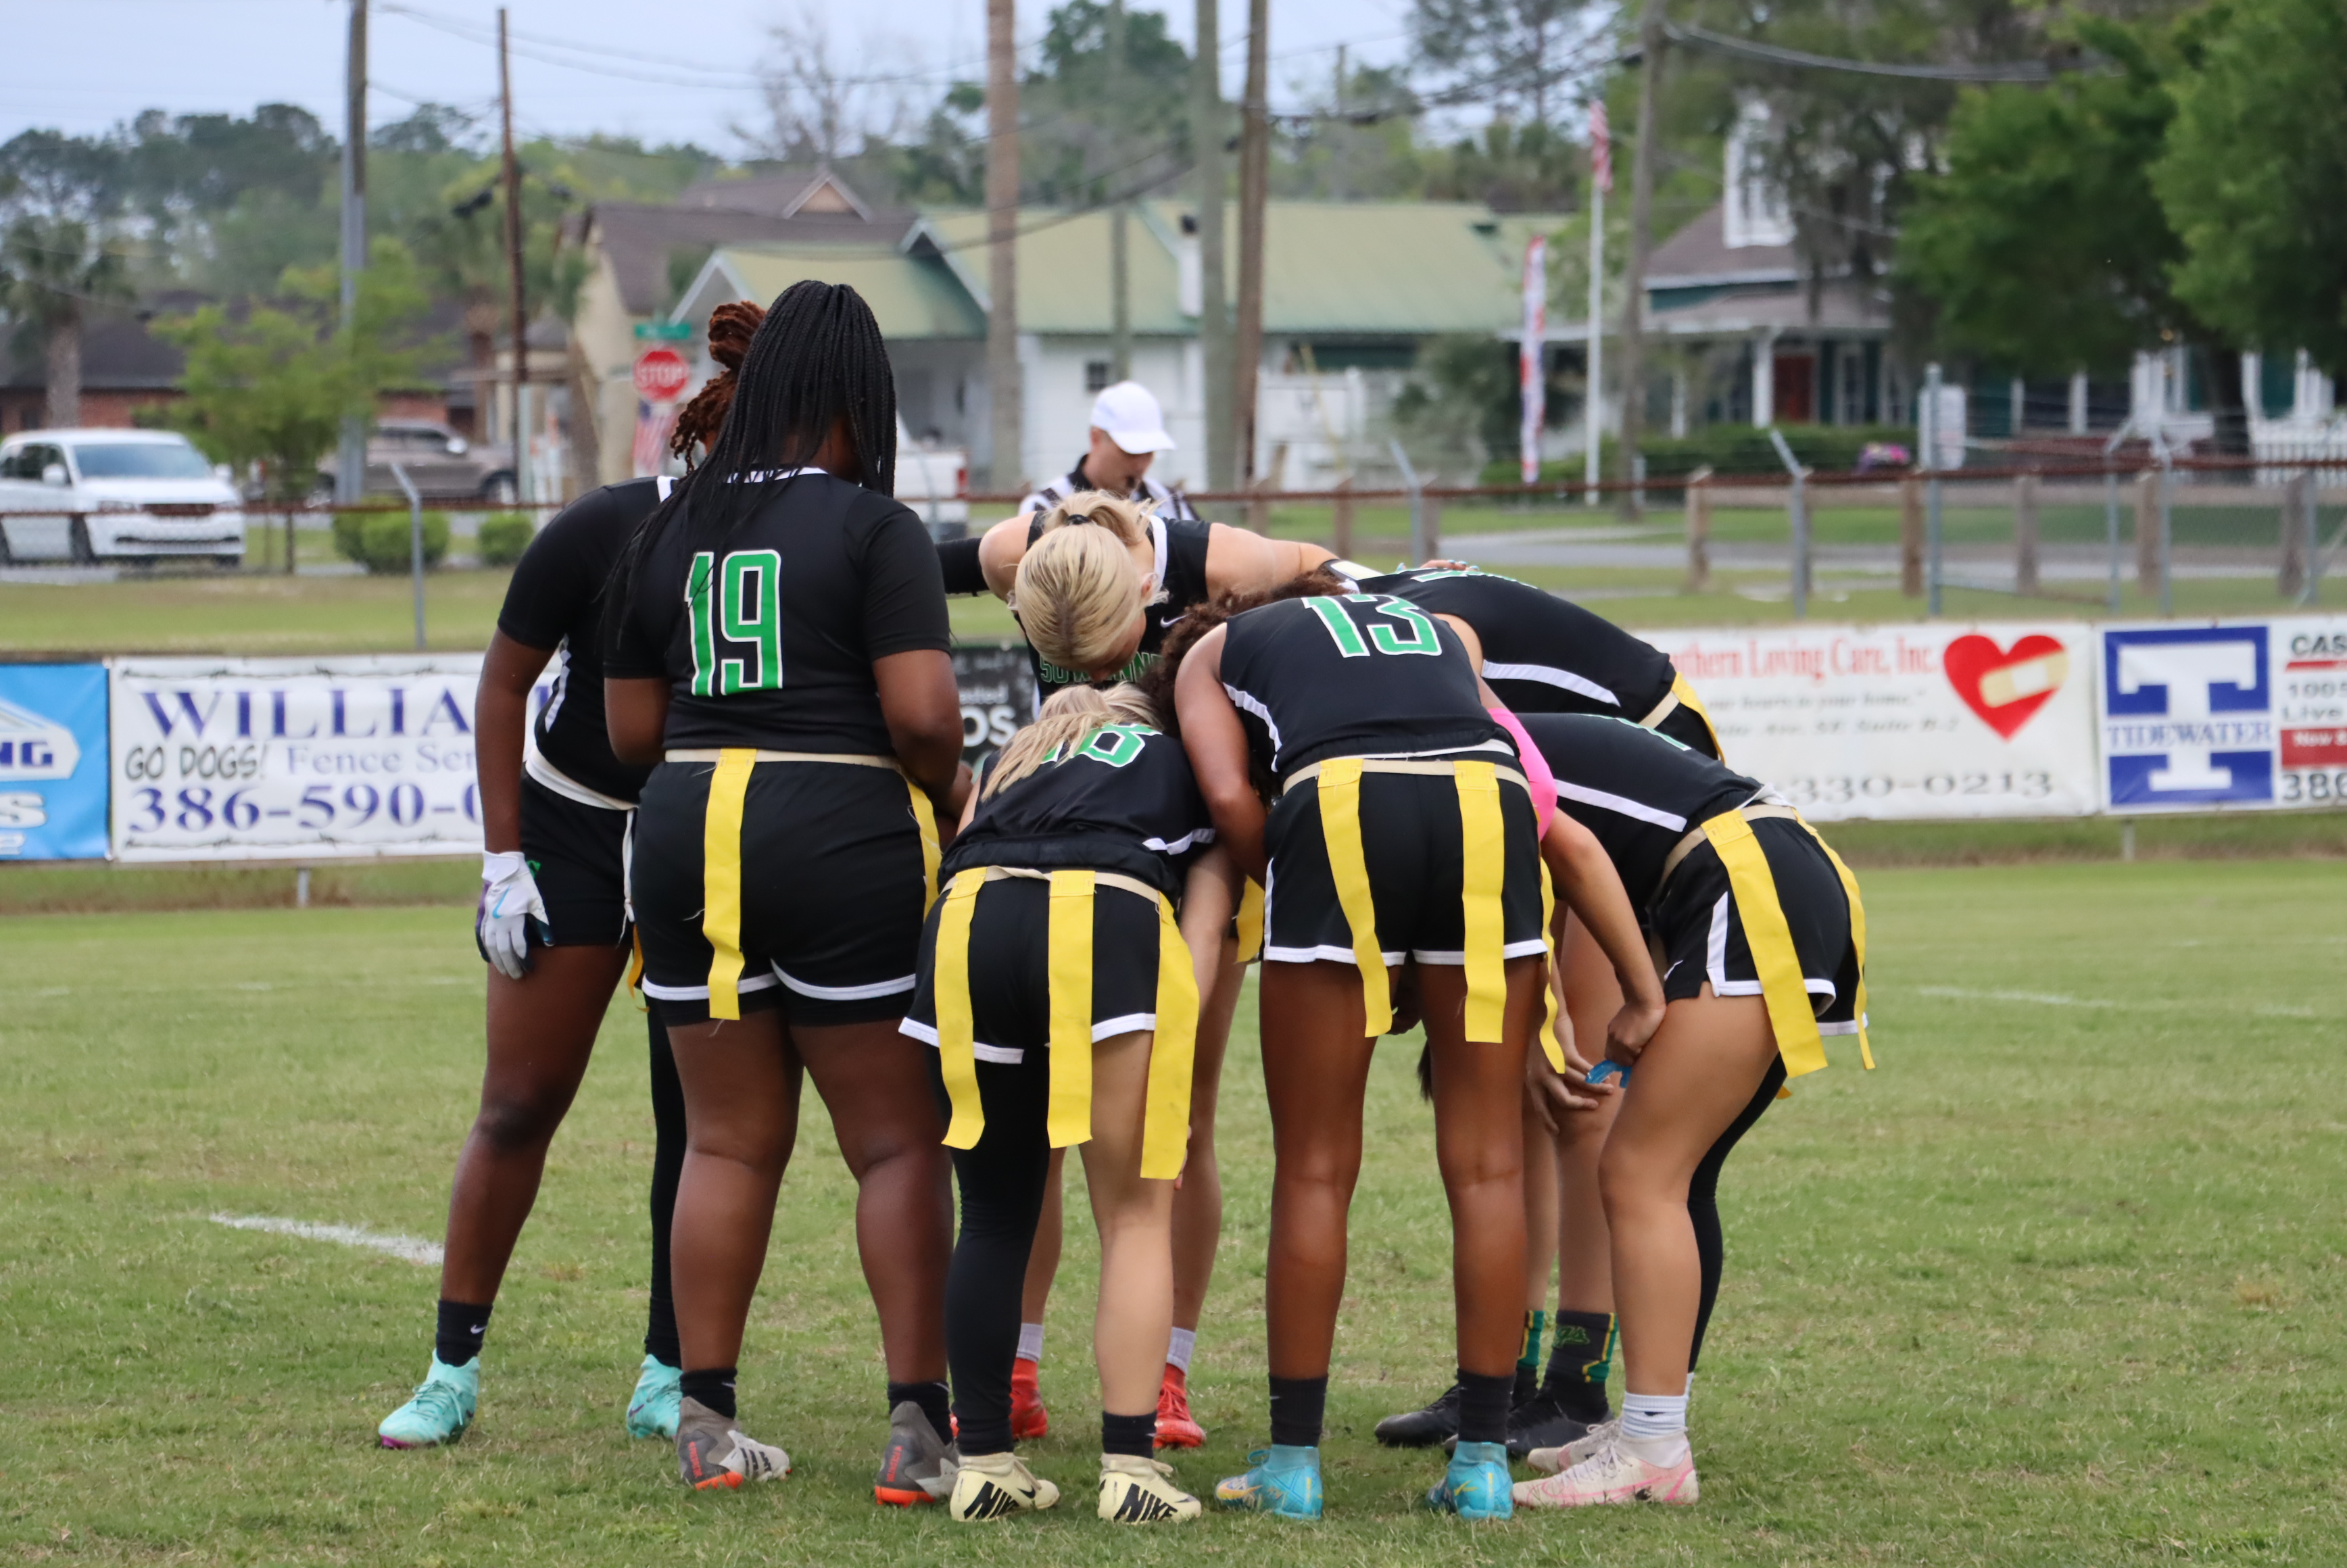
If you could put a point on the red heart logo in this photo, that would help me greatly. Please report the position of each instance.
(2006, 686)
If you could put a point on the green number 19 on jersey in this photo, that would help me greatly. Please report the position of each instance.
(741, 602)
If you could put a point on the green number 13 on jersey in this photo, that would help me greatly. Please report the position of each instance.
(1415, 636)
(743, 605)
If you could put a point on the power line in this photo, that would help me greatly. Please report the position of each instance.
(1703, 38)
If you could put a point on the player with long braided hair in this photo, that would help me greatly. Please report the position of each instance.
(779, 650)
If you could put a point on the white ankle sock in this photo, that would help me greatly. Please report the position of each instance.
(1179, 1349)
(1654, 1426)
(1031, 1342)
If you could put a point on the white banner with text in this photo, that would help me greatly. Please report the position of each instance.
(294, 759)
(1916, 721)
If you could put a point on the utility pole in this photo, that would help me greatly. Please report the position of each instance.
(1641, 247)
(1206, 135)
(1255, 184)
(350, 460)
(524, 487)
(1120, 263)
(1004, 390)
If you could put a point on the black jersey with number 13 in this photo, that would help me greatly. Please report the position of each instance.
(768, 636)
(1350, 675)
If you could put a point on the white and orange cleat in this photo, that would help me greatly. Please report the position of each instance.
(1613, 1474)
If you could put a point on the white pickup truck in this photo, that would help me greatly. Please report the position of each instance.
(133, 495)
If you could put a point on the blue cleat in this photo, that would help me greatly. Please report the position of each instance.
(652, 1408)
(1280, 1480)
(1477, 1485)
(442, 1408)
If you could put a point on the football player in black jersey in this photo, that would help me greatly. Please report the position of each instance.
(778, 646)
(553, 925)
(1763, 939)
(1403, 829)
(1062, 998)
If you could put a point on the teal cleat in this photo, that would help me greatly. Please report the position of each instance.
(1477, 1485)
(442, 1408)
(1280, 1480)
(652, 1408)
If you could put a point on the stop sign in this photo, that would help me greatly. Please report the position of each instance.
(661, 374)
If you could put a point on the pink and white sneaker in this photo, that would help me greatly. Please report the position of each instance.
(1548, 1462)
(1613, 1474)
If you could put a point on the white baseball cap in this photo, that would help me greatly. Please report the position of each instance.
(1132, 419)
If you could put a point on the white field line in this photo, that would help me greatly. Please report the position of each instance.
(406, 1248)
(2056, 999)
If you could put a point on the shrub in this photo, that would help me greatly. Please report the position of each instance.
(1728, 450)
(504, 537)
(379, 540)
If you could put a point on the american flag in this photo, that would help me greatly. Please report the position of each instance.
(1601, 147)
(654, 421)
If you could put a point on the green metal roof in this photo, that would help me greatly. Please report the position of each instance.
(913, 296)
(1063, 265)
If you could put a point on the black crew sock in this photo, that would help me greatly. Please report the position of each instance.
(457, 1337)
(714, 1387)
(659, 1334)
(1134, 1435)
(1483, 1400)
(1298, 1406)
(934, 1401)
(1578, 1365)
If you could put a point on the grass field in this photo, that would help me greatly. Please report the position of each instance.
(2060, 1285)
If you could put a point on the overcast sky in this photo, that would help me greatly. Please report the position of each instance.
(82, 65)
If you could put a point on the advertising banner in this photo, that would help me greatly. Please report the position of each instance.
(997, 695)
(1909, 721)
(2229, 715)
(51, 762)
(286, 759)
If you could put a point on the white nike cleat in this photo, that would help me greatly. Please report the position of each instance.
(994, 1486)
(1134, 1490)
(1613, 1474)
(1548, 1462)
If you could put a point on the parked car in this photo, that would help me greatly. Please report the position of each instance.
(115, 495)
(934, 481)
(442, 465)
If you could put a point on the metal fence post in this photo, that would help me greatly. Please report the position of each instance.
(2111, 536)
(1911, 538)
(415, 545)
(2297, 535)
(2167, 537)
(2146, 533)
(1798, 504)
(2025, 535)
(1928, 434)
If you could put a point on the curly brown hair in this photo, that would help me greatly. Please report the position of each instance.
(730, 328)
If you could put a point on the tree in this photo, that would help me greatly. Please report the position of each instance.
(2254, 178)
(52, 270)
(2042, 246)
(1512, 56)
(269, 388)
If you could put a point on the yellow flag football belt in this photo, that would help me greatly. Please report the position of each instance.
(1483, 858)
(1682, 696)
(721, 854)
(1791, 1014)
(1165, 1129)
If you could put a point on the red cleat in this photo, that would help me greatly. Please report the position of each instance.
(1029, 1419)
(1175, 1429)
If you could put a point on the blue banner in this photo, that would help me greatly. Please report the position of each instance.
(53, 762)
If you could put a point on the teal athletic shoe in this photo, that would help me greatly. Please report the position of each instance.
(652, 1408)
(1281, 1480)
(1477, 1485)
(442, 1408)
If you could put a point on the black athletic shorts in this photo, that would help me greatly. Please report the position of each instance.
(1701, 933)
(832, 889)
(1410, 845)
(1009, 973)
(1685, 726)
(578, 854)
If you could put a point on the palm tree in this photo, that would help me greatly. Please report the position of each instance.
(51, 271)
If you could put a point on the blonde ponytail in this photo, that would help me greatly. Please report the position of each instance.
(1068, 719)
(1078, 591)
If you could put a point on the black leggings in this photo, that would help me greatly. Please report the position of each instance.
(1703, 1200)
(1003, 1181)
(668, 1164)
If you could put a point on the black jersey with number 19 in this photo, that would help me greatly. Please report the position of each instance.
(768, 636)
(1354, 674)
(1122, 800)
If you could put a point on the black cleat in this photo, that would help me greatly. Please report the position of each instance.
(1541, 1422)
(1425, 1427)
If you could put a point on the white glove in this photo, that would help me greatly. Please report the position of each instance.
(508, 898)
